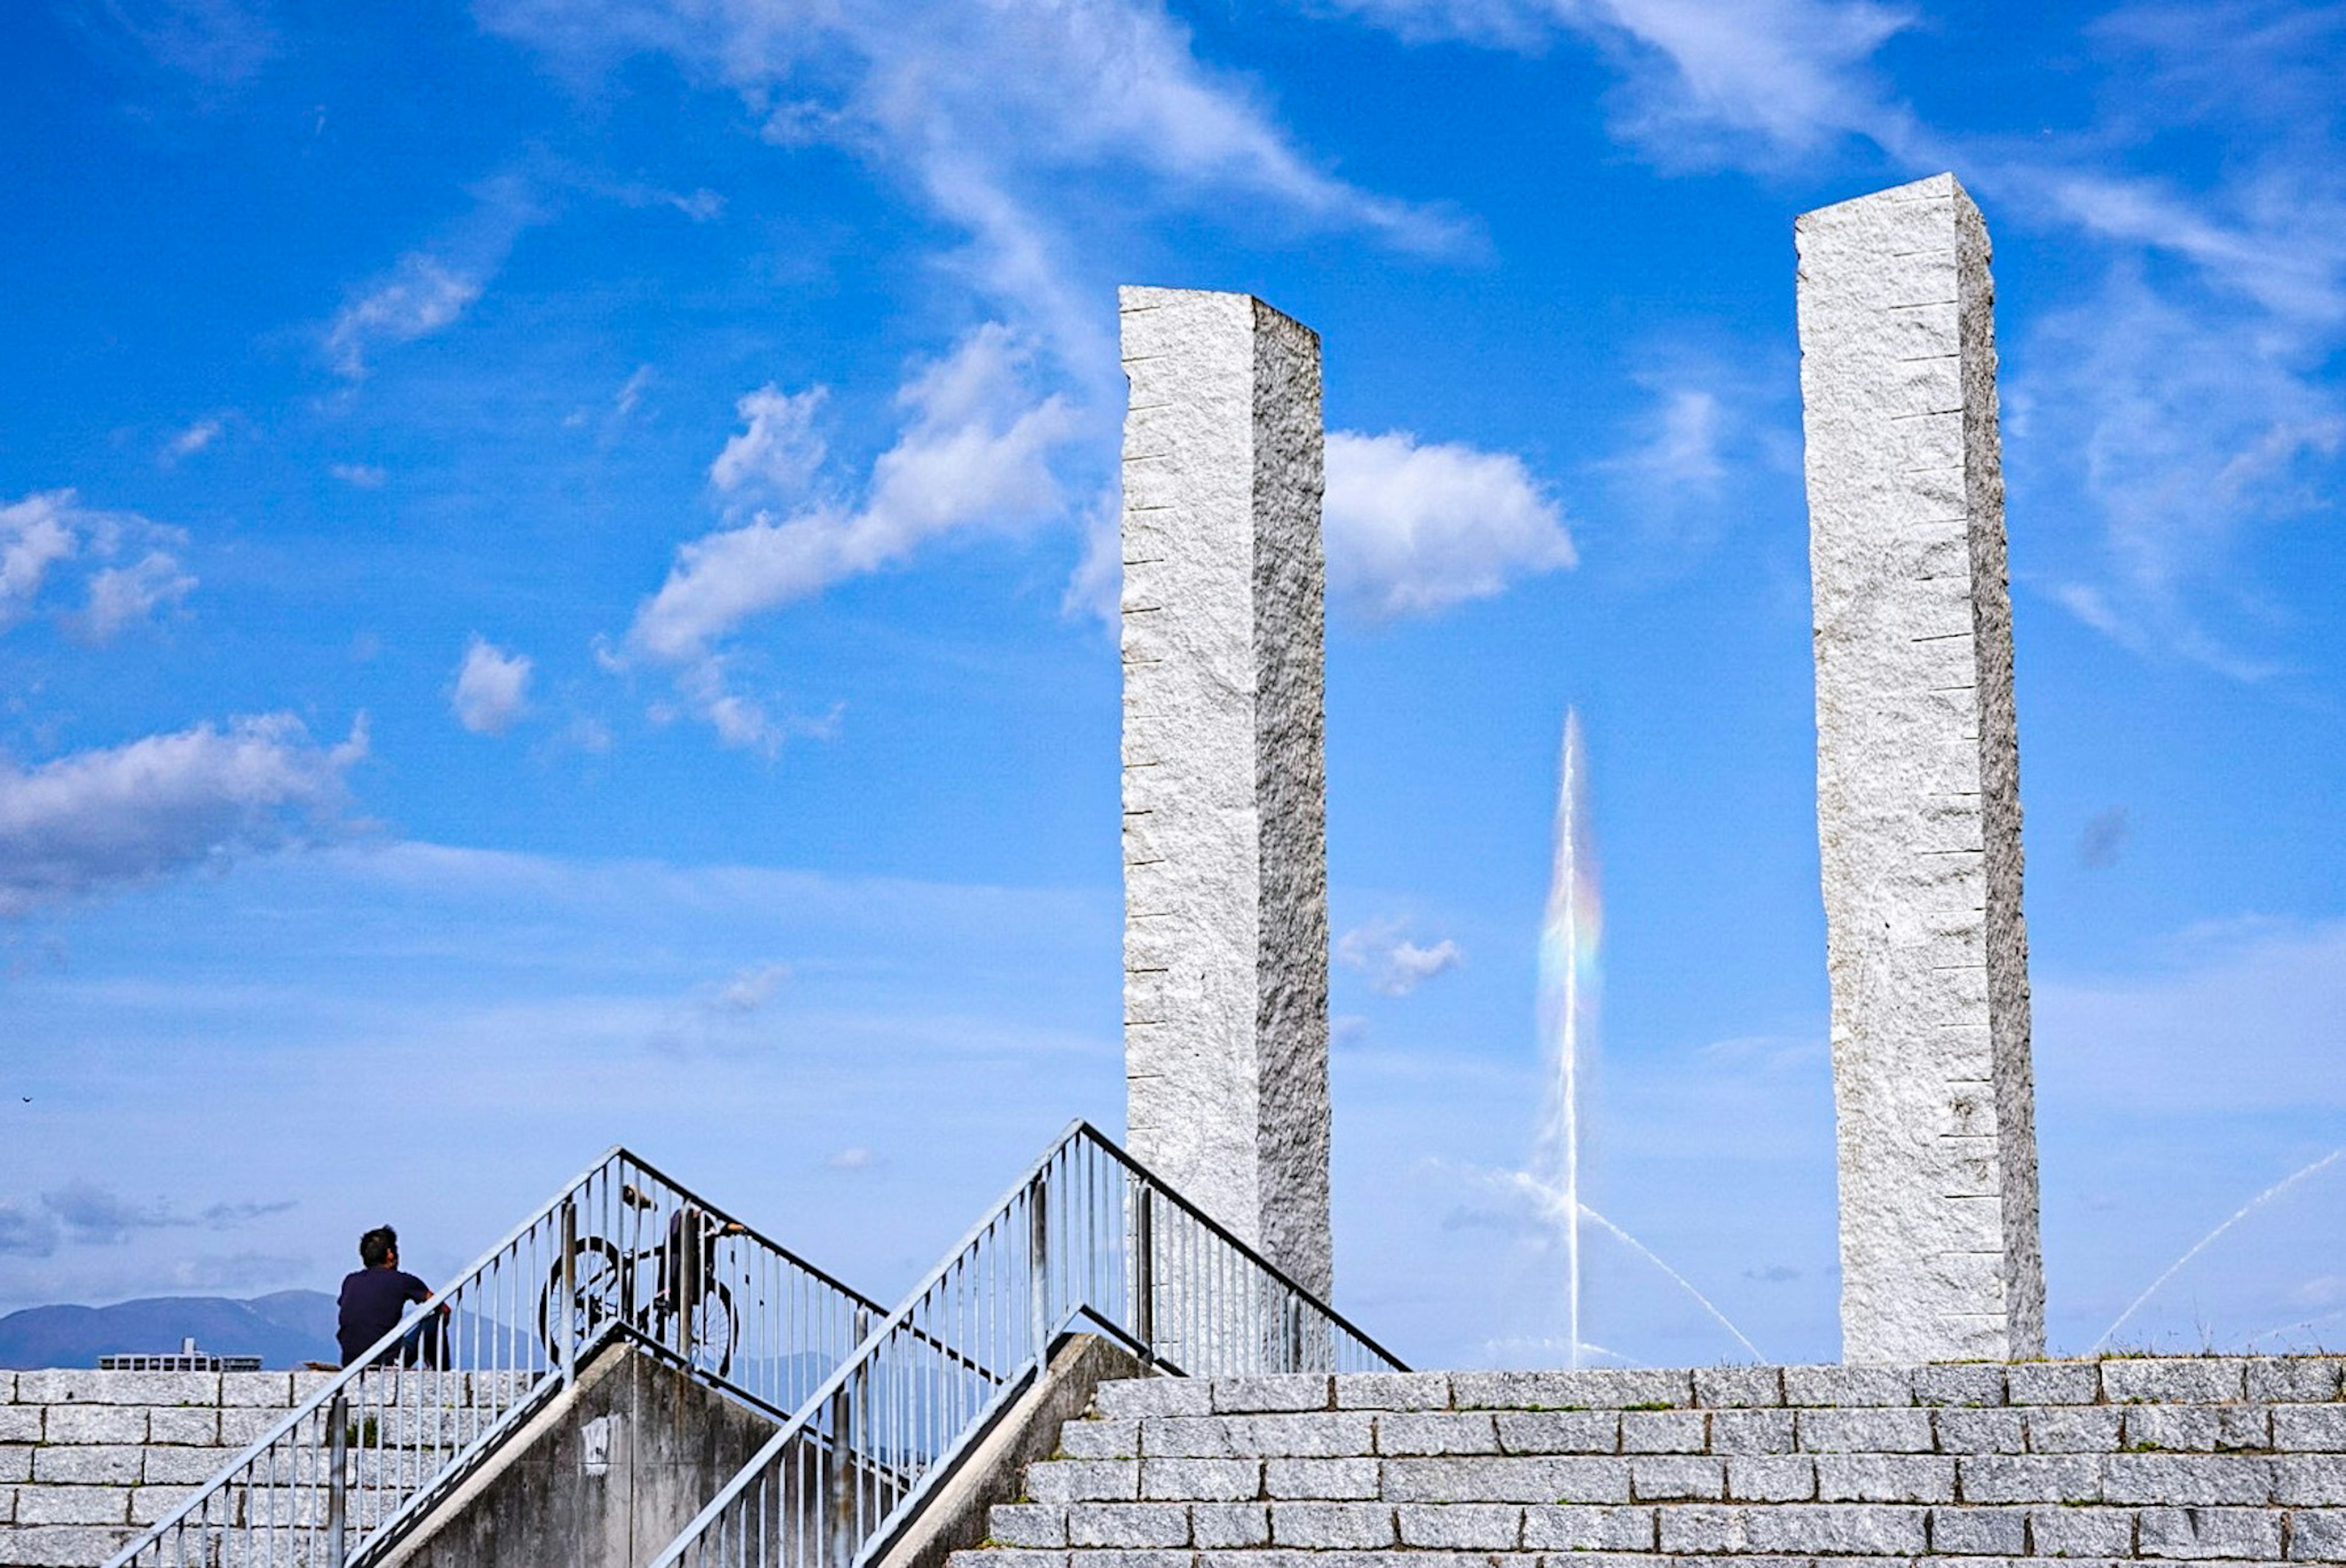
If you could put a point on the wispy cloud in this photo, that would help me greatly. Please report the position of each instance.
(1711, 426)
(1678, 449)
(221, 43)
(102, 818)
(1415, 527)
(2185, 403)
(428, 290)
(630, 392)
(751, 989)
(492, 689)
(987, 112)
(2186, 431)
(28, 1230)
(184, 444)
(723, 1017)
(1758, 80)
(423, 295)
(359, 475)
(88, 1214)
(1097, 584)
(974, 453)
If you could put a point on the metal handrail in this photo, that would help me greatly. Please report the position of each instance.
(1087, 1233)
(623, 1251)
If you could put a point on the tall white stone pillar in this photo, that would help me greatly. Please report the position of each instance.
(1225, 843)
(1918, 782)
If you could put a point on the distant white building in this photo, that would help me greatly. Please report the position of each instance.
(186, 1359)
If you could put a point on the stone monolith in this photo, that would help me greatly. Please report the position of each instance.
(1918, 783)
(1225, 843)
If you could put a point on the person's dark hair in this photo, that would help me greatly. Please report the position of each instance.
(376, 1247)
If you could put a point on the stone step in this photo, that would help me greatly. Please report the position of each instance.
(1859, 1531)
(2115, 1380)
(2305, 1481)
(2179, 1460)
(2144, 1430)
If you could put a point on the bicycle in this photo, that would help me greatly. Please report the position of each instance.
(686, 1296)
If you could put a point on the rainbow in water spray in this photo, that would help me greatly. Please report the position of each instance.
(1569, 982)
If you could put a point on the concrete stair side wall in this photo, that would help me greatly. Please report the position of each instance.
(2193, 1460)
(605, 1478)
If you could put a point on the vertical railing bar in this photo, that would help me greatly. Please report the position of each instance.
(1038, 1324)
(1144, 1328)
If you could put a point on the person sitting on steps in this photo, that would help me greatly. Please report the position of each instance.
(373, 1299)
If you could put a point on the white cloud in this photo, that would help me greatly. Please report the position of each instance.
(855, 1157)
(36, 534)
(974, 453)
(492, 689)
(423, 295)
(133, 564)
(777, 451)
(1412, 529)
(1395, 965)
(186, 443)
(123, 596)
(359, 475)
(129, 813)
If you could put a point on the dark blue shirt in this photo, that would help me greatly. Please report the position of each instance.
(372, 1299)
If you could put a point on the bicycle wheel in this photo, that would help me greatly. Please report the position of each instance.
(598, 1295)
(713, 1332)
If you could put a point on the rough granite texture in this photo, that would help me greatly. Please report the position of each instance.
(1918, 793)
(88, 1459)
(2200, 1459)
(1225, 856)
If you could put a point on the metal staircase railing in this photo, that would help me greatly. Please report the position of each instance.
(621, 1252)
(1088, 1234)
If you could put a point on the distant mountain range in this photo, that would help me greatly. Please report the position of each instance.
(284, 1329)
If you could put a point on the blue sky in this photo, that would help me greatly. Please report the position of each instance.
(551, 584)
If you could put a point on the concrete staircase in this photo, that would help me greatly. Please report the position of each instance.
(2176, 1459)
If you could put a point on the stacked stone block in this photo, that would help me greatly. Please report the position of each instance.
(89, 1459)
(2204, 1459)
